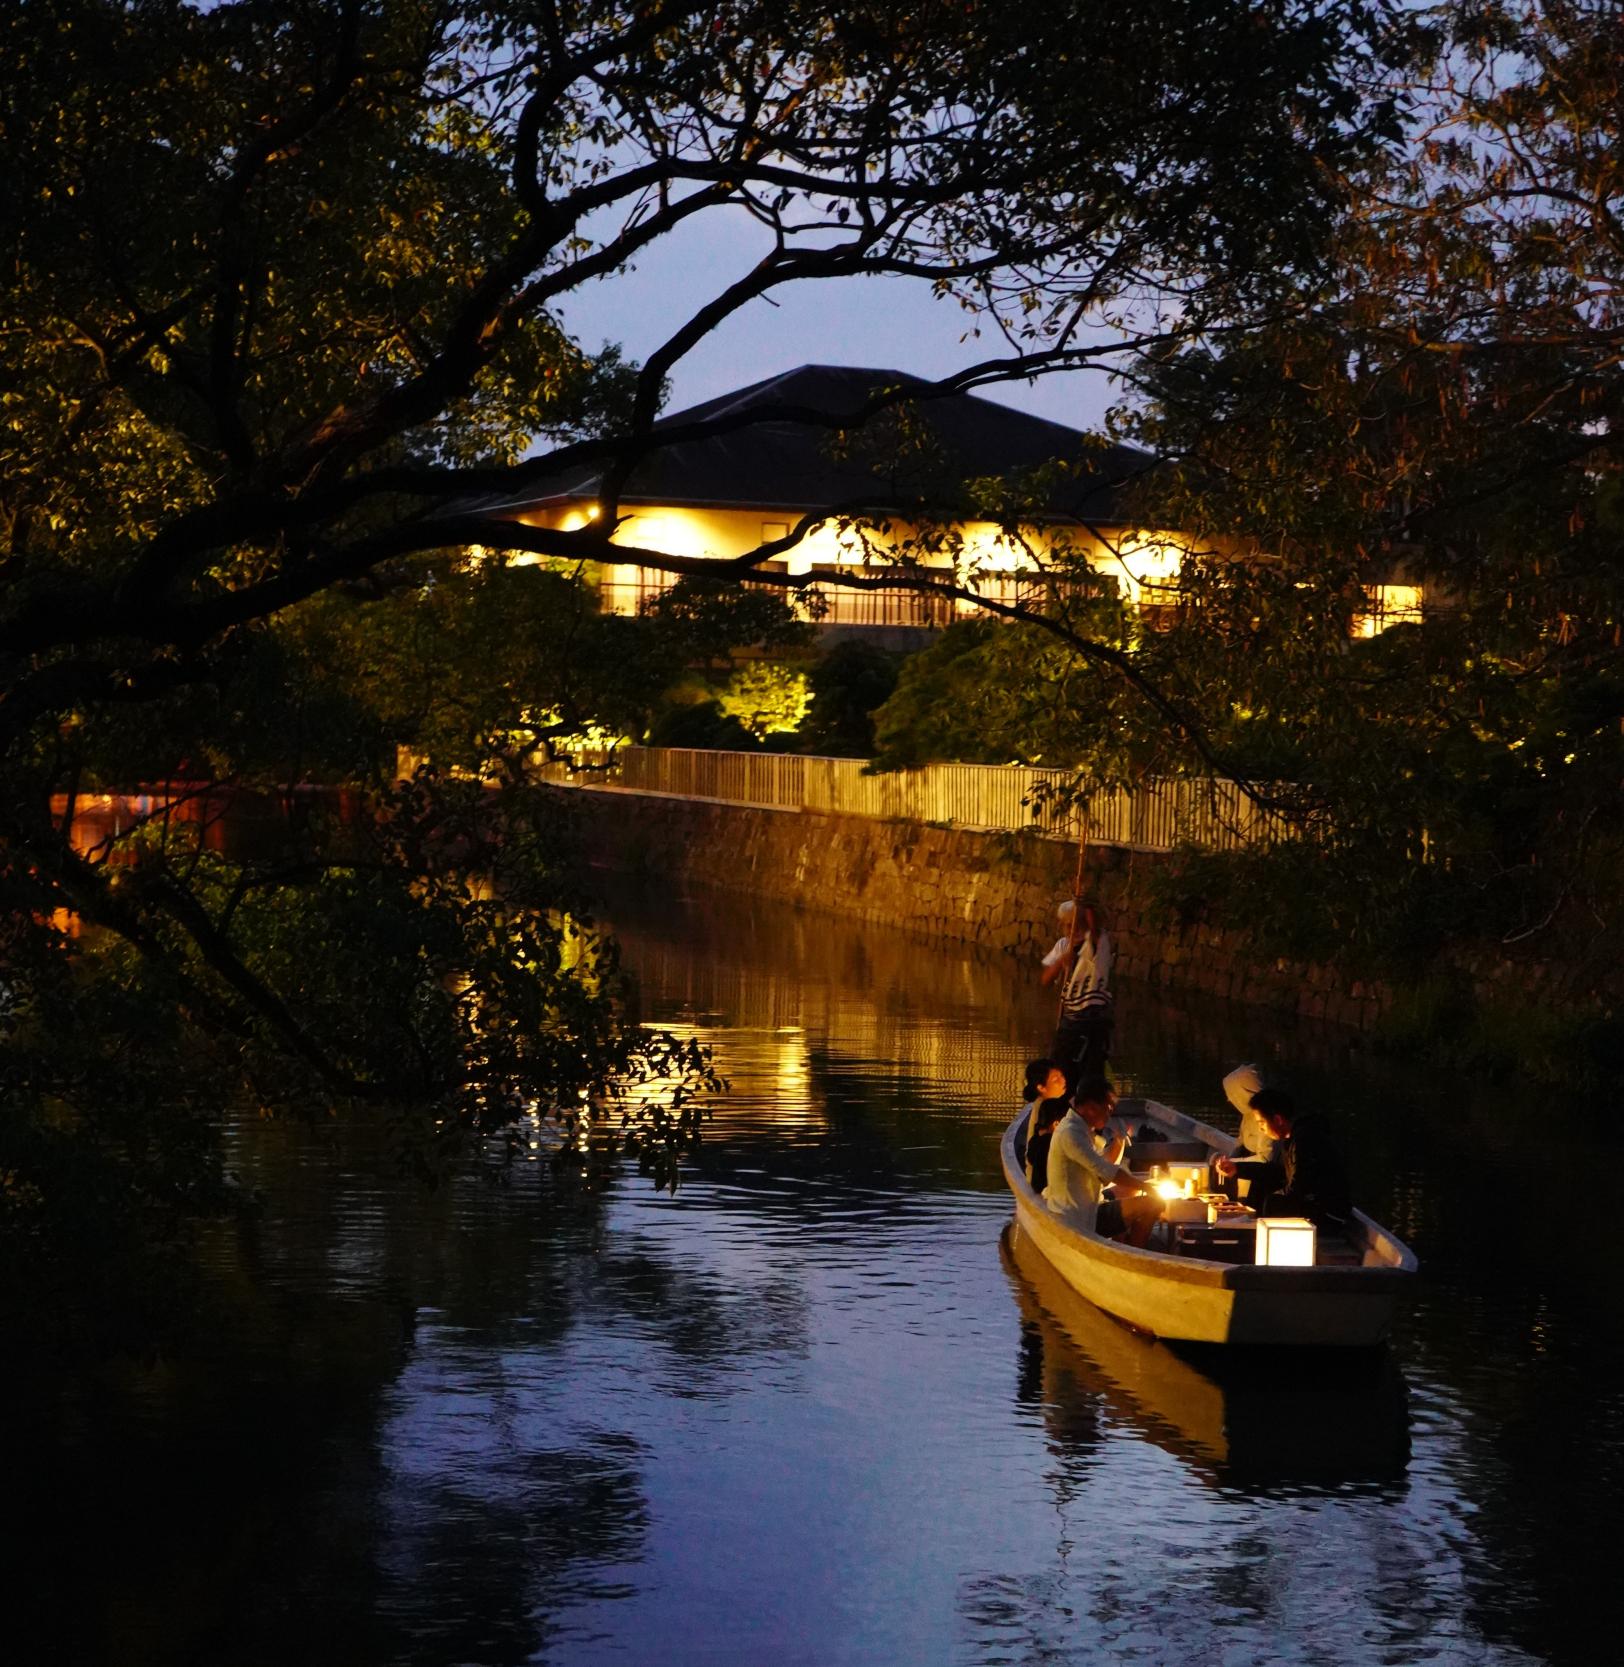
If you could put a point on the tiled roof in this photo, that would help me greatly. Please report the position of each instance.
(791, 462)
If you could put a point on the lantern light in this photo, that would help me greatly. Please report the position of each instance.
(1286, 1242)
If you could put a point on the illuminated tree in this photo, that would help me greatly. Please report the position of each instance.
(767, 699)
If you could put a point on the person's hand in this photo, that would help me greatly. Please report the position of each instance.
(1224, 1166)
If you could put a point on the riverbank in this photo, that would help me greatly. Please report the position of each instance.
(1484, 1009)
(993, 889)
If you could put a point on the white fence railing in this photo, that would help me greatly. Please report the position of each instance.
(1156, 816)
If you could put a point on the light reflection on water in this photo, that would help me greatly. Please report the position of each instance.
(819, 1407)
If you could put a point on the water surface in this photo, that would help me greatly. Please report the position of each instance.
(818, 1408)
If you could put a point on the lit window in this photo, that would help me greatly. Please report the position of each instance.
(1387, 605)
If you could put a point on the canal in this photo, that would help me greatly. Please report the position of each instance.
(814, 1409)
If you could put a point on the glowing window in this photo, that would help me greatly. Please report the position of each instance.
(1388, 605)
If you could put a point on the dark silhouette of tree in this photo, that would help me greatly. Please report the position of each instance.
(282, 326)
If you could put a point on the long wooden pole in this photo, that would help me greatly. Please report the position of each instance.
(1076, 911)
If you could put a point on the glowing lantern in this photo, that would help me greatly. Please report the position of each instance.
(1285, 1242)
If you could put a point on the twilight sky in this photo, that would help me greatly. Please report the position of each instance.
(889, 323)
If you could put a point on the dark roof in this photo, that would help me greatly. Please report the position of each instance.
(900, 459)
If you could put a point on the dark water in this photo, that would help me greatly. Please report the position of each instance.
(816, 1408)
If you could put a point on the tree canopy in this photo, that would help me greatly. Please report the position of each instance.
(283, 322)
(1442, 411)
(1433, 406)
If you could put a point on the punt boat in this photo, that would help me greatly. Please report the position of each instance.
(1176, 1289)
(1304, 1417)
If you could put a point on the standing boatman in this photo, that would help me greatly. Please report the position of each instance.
(1082, 957)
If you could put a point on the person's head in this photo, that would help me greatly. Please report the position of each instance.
(1049, 1113)
(1044, 1080)
(1094, 1100)
(1090, 922)
(1277, 1109)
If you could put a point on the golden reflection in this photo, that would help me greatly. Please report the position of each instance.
(852, 994)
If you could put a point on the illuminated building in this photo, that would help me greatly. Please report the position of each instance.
(911, 486)
(906, 485)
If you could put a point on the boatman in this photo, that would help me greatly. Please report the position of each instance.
(1082, 957)
(1080, 1173)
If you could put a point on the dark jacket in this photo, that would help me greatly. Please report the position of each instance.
(1037, 1158)
(1031, 1149)
(1306, 1174)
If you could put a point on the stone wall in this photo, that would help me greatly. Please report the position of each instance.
(993, 889)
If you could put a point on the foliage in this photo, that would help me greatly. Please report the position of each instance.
(1442, 408)
(768, 698)
(1504, 1034)
(701, 723)
(848, 685)
(1433, 400)
(433, 961)
(1334, 916)
(989, 693)
(106, 1152)
(953, 700)
(282, 328)
(485, 668)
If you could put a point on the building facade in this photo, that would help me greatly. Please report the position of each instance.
(1006, 503)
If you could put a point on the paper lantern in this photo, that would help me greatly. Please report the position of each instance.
(1285, 1242)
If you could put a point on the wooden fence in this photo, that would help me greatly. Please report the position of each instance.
(1156, 816)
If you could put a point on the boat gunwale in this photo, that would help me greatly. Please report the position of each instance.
(1197, 1270)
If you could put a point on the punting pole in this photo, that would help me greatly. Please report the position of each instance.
(1076, 909)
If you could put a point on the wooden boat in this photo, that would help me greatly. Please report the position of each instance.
(1347, 1300)
(1232, 1416)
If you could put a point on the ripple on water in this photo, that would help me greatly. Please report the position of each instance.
(809, 1410)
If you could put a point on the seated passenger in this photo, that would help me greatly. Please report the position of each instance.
(1047, 1114)
(1304, 1176)
(1080, 1173)
(1044, 1102)
(1239, 1087)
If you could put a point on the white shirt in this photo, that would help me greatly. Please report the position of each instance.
(1078, 1173)
(1114, 1128)
(1239, 1087)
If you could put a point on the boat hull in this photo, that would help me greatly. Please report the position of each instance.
(1221, 1411)
(1188, 1300)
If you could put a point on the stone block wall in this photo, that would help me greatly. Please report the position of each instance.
(998, 890)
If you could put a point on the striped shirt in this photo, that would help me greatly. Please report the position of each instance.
(1087, 988)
